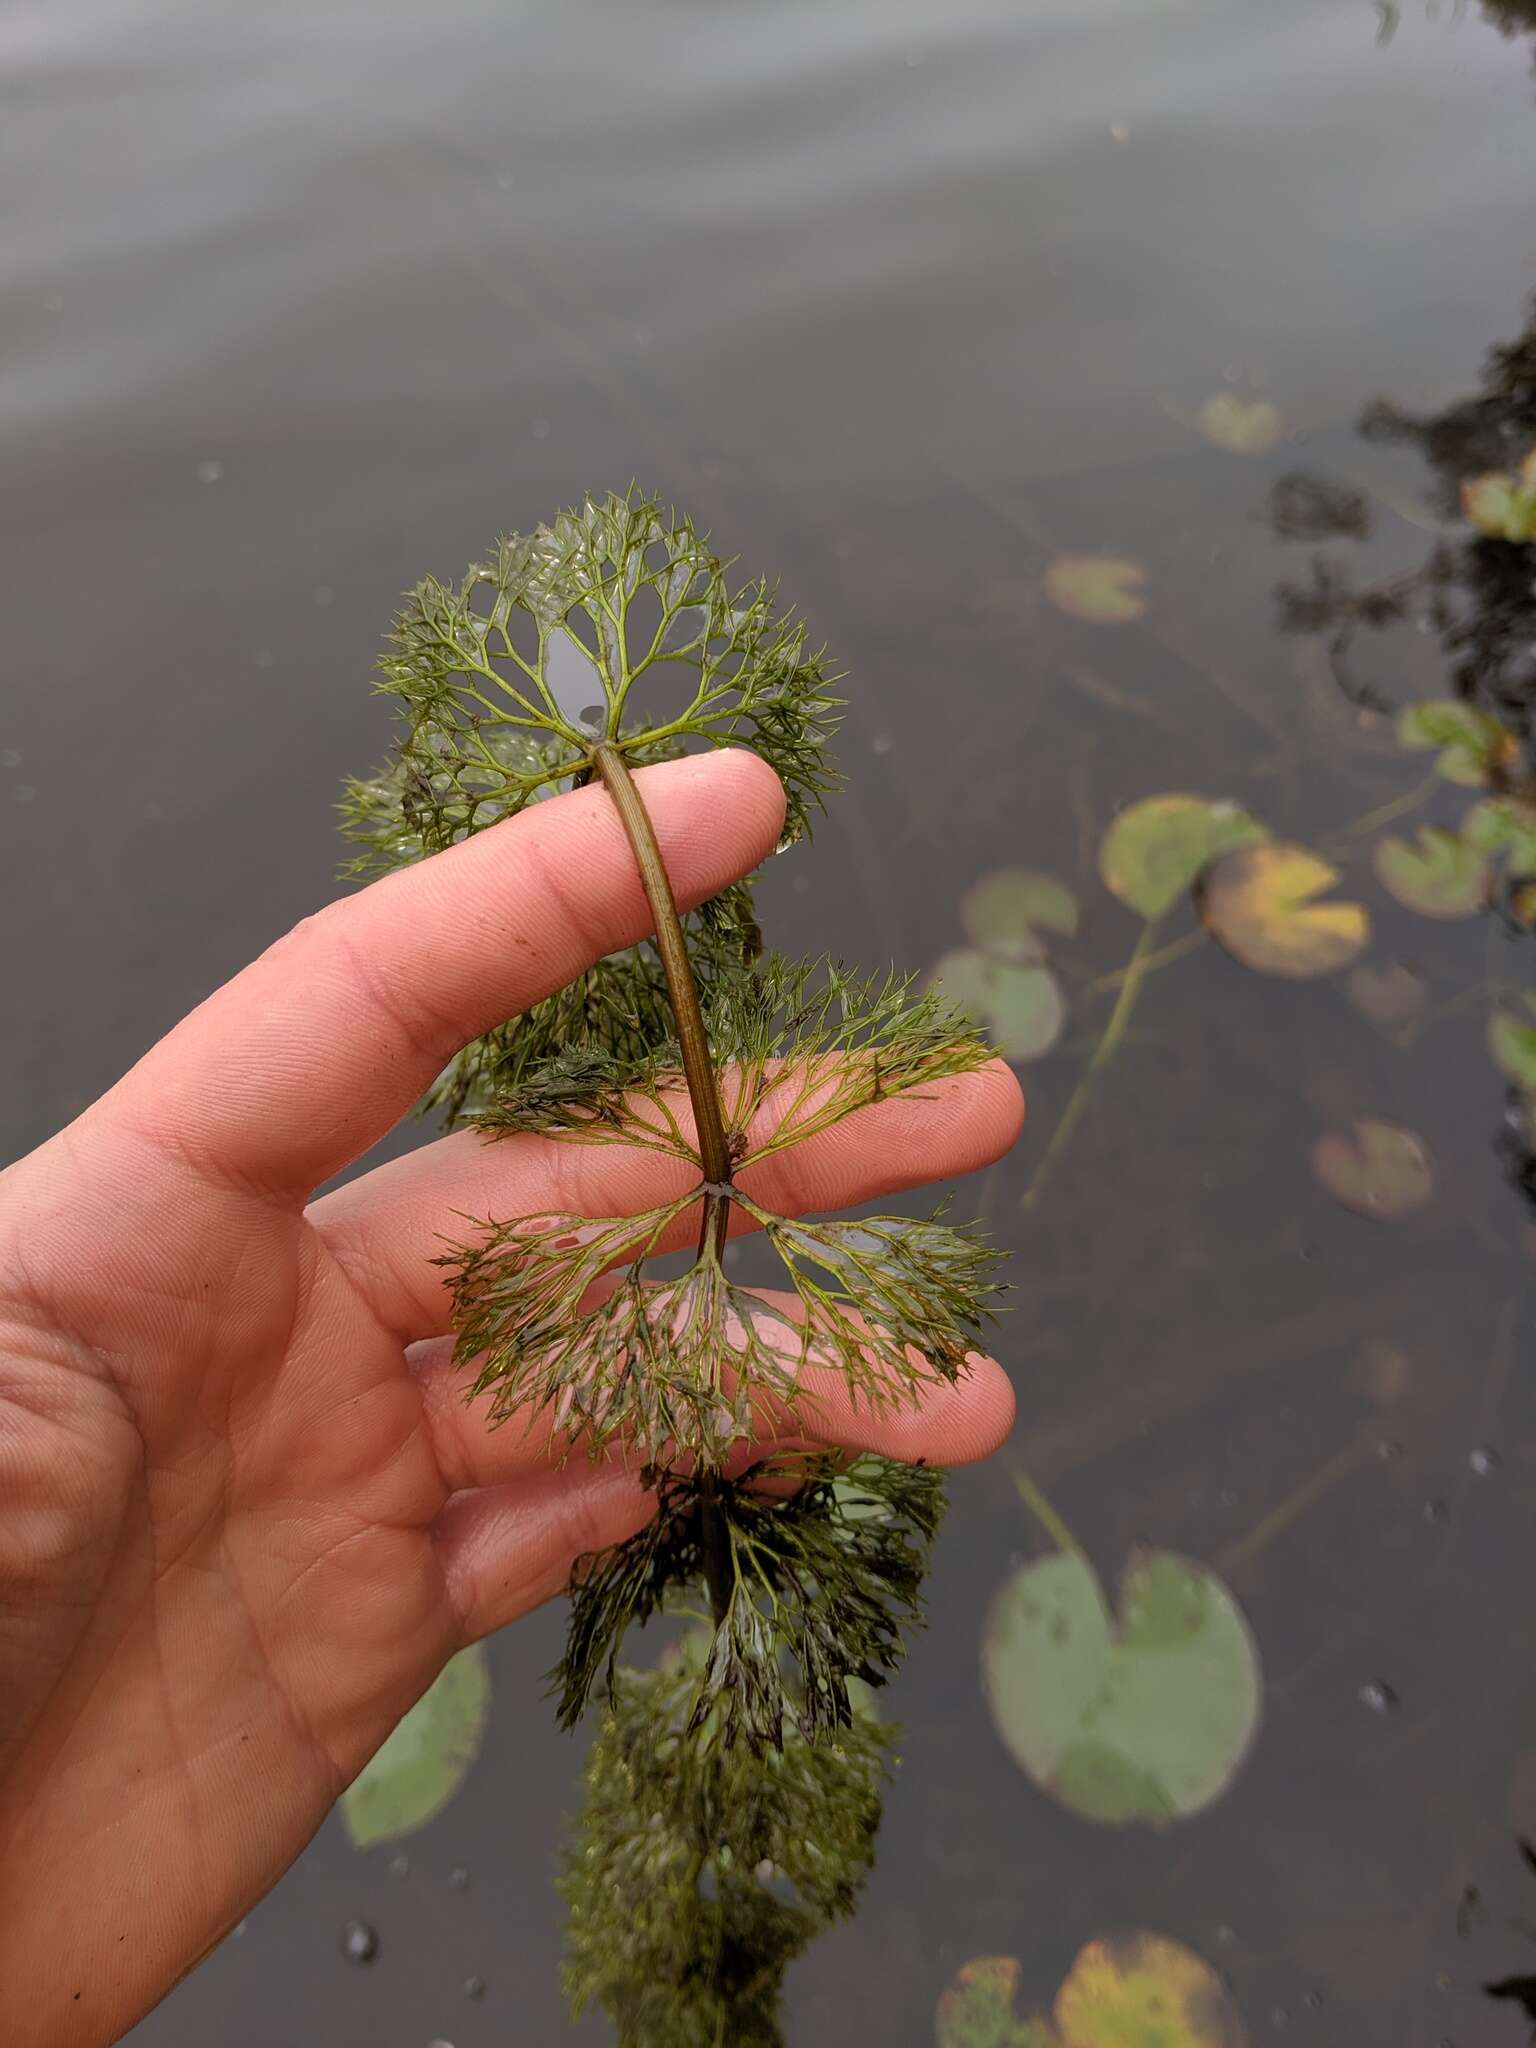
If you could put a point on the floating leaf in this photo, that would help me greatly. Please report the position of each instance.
(1390, 995)
(1144, 1991)
(1260, 902)
(1004, 911)
(1512, 1041)
(1142, 1719)
(976, 2010)
(1020, 1004)
(1503, 825)
(1241, 426)
(1156, 849)
(1106, 590)
(1470, 743)
(427, 1757)
(1377, 1169)
(1503, 506)
(1440, 876)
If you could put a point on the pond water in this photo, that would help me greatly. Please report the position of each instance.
(907, 303)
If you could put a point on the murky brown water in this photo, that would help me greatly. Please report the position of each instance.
(904, 301)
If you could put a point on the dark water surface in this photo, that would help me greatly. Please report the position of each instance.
(302, 301)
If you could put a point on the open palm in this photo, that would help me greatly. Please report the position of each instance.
(245, 1514)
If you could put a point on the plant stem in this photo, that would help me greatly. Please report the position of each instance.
(703, 1093)
(1046, 1515)
(1135, 973)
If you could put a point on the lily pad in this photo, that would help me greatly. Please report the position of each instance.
(1512, 1041)
(1260, 903)
(1503, 506)
(976, 2010)
(1142, 1718)
(1005, 911)
(1019, 1003)
(1242, 426)
(426, 1758)
(1503, 825)
(1377, 1169)
(1468, 742)
(1156, 849)
(1105, 590)
(1390, 994)
(1144, 1991)
(1438, 876)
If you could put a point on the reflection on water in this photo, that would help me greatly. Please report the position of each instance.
(910, 305)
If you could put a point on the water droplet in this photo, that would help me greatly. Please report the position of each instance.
(1119, 133)
(1279, 2017)
(1484, 1460)
(1377, 1695)
(10, 757)
(359, 1942)
(1437, 1510)
(458, 1878)
(882, 743)
(1227, 1936)
(1313, 2001)
(1389, 1450)
(474, 1987)
(539, 429)
(209, 472)
(399, 1864)
(439, 2042)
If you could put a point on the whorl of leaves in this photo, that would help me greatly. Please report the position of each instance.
(699, 1870)
(824, 1568)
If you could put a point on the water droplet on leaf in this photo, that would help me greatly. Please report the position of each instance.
(359, 1942)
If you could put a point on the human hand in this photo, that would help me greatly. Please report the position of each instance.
(245, 1513)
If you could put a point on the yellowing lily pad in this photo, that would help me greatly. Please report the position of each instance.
(1502, 506)
(1390, 995)
(426, 1758)
(1156, 849)
(1439, 875)
(1145, 1717)
(1005, 912)
(1377, 1169)
(1144, 1991)
(1503, 825)
(1105, 590)
(1512, 1041)
(1470, 744)
(976, 2010)
(1241, 426)
(1260, 903)
(1018, 1003)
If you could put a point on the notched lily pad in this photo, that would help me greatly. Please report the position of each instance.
(976, 2010)
(1104, 590)
(1503, 506)
(1438, 875)
(1006, 911)
(1142, 1718)
(1261, 904)
(1389, 994)
(1512, 1040)
(1378, 1169)
(1243, 426)
(1503, 827)
(1144, 1991)
(1470, 745)
(1019, 1004)
(1156, 849)
(425, 1759)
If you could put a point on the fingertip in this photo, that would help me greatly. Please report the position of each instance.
(1005, 1104)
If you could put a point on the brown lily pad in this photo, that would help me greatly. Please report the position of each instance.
(1378, 1169)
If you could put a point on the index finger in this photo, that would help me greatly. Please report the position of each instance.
(283, 1076)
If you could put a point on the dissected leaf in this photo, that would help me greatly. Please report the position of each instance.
(1377, 1169)
(1005, 911)
(1389, 995)
(1242, 426)
(1105, 590)
(1145, 1991)
(426, 1757)
(1512, 1040)
(1142, 1718)
(1260, 902)
(1020, 1006)
(1504, 825)
(1469, 743)
(1157, 848)
(1439, 875)
(976, 2009)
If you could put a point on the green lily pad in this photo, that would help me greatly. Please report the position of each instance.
(976, 2010)
(1378, 1169)
(1439, 876)
(1145, 1718)
(1019, 1004)
(1242, 426)
(1260, 903)
(1468, 742)
(1005, 911)
(1503, 506)
(1144, 1991)
(1503, 825)
(1512, 1041)
(426, 1758)
(1103, 590)
(1156, 849)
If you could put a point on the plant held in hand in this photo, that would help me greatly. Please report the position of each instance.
(733, 1792)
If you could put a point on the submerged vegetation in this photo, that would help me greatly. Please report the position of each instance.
(733, 1791)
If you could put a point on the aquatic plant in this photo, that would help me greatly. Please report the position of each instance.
(734, 1789)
